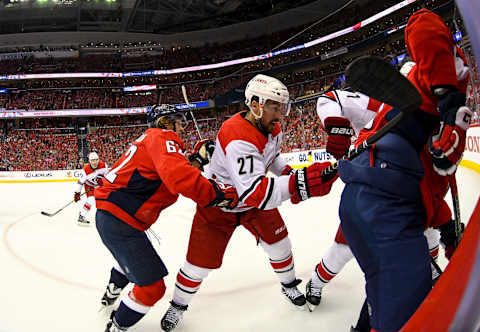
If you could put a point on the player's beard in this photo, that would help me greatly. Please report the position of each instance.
(267, 128)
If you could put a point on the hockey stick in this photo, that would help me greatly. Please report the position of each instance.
(59, 210)
(436, 266)
(379, 80)
(456, 208)
(185, 97)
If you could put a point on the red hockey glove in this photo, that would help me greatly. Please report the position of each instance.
(202, 152)
(309, 182)
(76, 197)
(448, 237)
(226, 196)
(448, 145)
(288, 170)
(339, 133)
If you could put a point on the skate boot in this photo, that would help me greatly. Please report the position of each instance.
(112, 325)
(82, 221)
(173, 316)
(313, 295)
(111, 295)
(293, 294)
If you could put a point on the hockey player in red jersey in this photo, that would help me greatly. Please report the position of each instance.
(91, 177)
(381, 209)
(247, 148)
(145, 180)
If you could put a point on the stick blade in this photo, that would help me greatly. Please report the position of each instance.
(379, 80)
(47, 214)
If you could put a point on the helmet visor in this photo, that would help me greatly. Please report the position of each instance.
(275, 106)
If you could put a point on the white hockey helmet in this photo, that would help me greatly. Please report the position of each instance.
(92, 156)
(406, 67)
(267, 88)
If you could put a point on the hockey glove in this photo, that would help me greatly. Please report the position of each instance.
(288, 170)
(339, 133)
(448, 145)
(225, 196)
(76, 197)
(310, 182)
(448, 237)
(202, 152)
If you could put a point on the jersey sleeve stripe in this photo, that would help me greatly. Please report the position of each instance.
(269, 193)
(252, 188)
(338, 100)
(256, 197)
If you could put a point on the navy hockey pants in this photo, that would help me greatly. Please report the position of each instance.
(382, 218)
(131, 248)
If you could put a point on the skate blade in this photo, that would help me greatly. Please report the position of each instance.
(83, 224)
(298, 307)
(311, 307)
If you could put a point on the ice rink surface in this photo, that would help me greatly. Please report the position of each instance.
(54, 272)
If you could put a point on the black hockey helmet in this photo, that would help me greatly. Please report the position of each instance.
(161, 115)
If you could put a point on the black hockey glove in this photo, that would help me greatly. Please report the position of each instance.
(448, 237)
(226, 196)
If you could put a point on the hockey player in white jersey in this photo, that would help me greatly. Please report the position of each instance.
(247, 148)
(91, 178)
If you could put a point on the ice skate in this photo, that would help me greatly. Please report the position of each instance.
(313, 295)
(110, 296)
(112, 325)
(173, 316)
(82, 221)
(293, 294)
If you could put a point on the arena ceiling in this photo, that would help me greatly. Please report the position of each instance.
(138, 16)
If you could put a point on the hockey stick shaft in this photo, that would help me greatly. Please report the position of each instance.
(436, 266)
(456, 207)
(185, 97)
(61, 209)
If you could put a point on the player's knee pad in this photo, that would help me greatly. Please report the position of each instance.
(150, 294)
(195, 272)
(277, 250)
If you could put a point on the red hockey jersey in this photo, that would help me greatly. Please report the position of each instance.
(430, 44)
(148, 178)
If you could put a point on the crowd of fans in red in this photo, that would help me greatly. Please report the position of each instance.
(49, 146)
(106, 93)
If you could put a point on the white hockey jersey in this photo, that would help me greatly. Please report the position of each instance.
(358, 108)
(91, 177)
(242, 158)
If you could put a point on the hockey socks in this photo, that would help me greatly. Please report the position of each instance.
(331, 264)
(118, 278)
(129, 312)
(185, 287)
(284, 268)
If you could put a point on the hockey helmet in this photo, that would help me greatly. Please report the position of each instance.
(267, 88)
(162, 115)
(92, 156)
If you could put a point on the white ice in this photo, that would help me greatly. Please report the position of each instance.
(54, 272)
